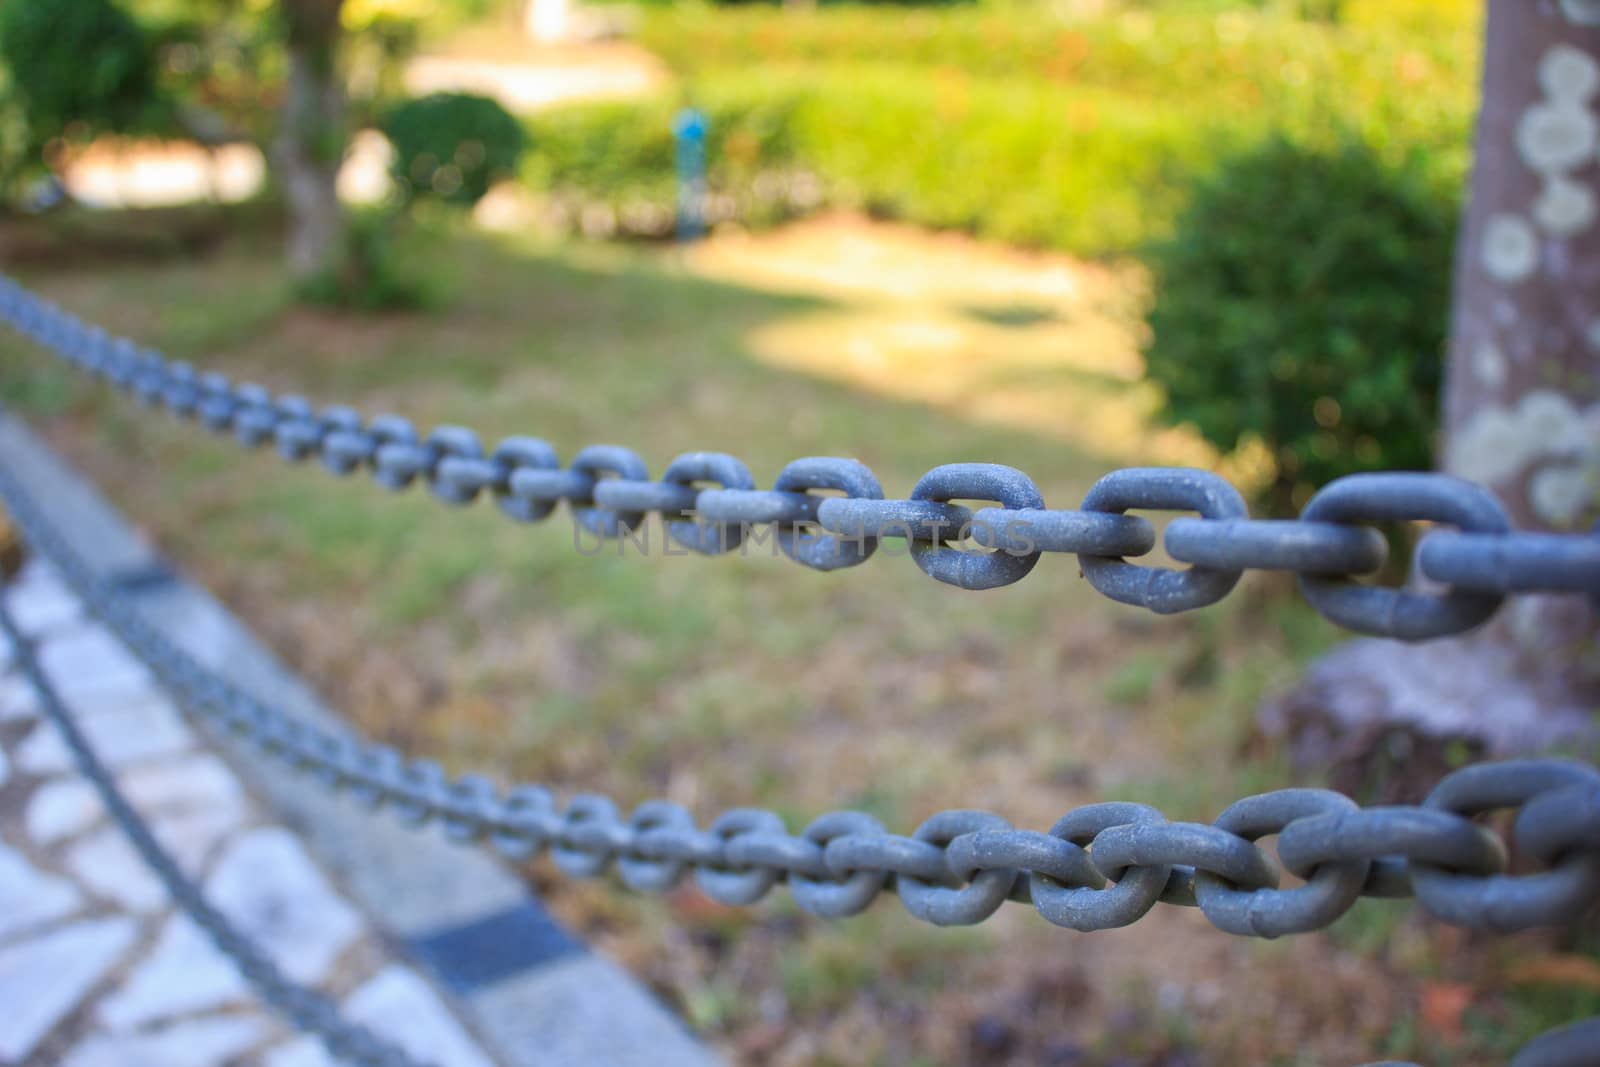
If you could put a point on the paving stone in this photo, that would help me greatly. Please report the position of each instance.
(40, 602)
(29, 896)
(62, 808)
(192, 1043)
(44, 978)
(90, 659)
(195, 782)
(106, 864)
(267, 885)
(148, 730)
(400, 1007)
(18, 701)
(184, 974)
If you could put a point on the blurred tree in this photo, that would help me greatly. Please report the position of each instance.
(1522, 415)
(311, 141)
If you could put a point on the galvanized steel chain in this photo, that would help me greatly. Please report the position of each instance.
(307, 1009)
(610, 492)
(1100, 866)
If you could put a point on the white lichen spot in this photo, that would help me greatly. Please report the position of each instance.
(1510, 248)
(1489, 364)
(1565, 208)
(1497, 444)
(1559, 496)
(1552, 423)
(1489, 449)
(1583, 12)
(1554, 137)
(1569, 74)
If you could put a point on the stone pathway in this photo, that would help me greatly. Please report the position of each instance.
(96, 968)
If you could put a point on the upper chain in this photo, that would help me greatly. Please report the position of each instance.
(1100, 866)
(610, 492)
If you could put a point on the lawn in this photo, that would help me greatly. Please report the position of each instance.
(730, 682)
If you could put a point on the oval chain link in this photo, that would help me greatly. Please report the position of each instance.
(610, 493)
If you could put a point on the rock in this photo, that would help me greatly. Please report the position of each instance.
(62, 808)
(29, 896)
(272, 892)
(1387, 719)
(107, 865)
(43, 979)
(184, 974)
(192, 1043)
(401, 1008)
(143, 731)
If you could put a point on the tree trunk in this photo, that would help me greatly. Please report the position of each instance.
(312, 141)
(1521, 415)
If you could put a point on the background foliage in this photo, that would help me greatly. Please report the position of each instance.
(43, 46)
(1071, 132)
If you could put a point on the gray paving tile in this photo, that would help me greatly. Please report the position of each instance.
(44, 978)
(30, 897)
(183, 973)
(271, 891)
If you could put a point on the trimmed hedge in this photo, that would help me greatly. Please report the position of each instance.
(1400, 56)
(1085, 172)
(1076, 135)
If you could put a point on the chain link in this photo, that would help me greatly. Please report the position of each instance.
(305, 1008)
(1099, 867)
(710, 499)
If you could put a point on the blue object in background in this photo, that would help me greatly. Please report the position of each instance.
(689, 131)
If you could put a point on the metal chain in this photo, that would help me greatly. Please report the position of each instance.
(1100, 866)
(306, 1009)
(610, 493)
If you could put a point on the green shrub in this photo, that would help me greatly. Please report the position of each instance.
(77, 67)
(452, 146)
(1301, 302)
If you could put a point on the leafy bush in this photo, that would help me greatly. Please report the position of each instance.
(77, 66)
(1301, 301)
(453, 146)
